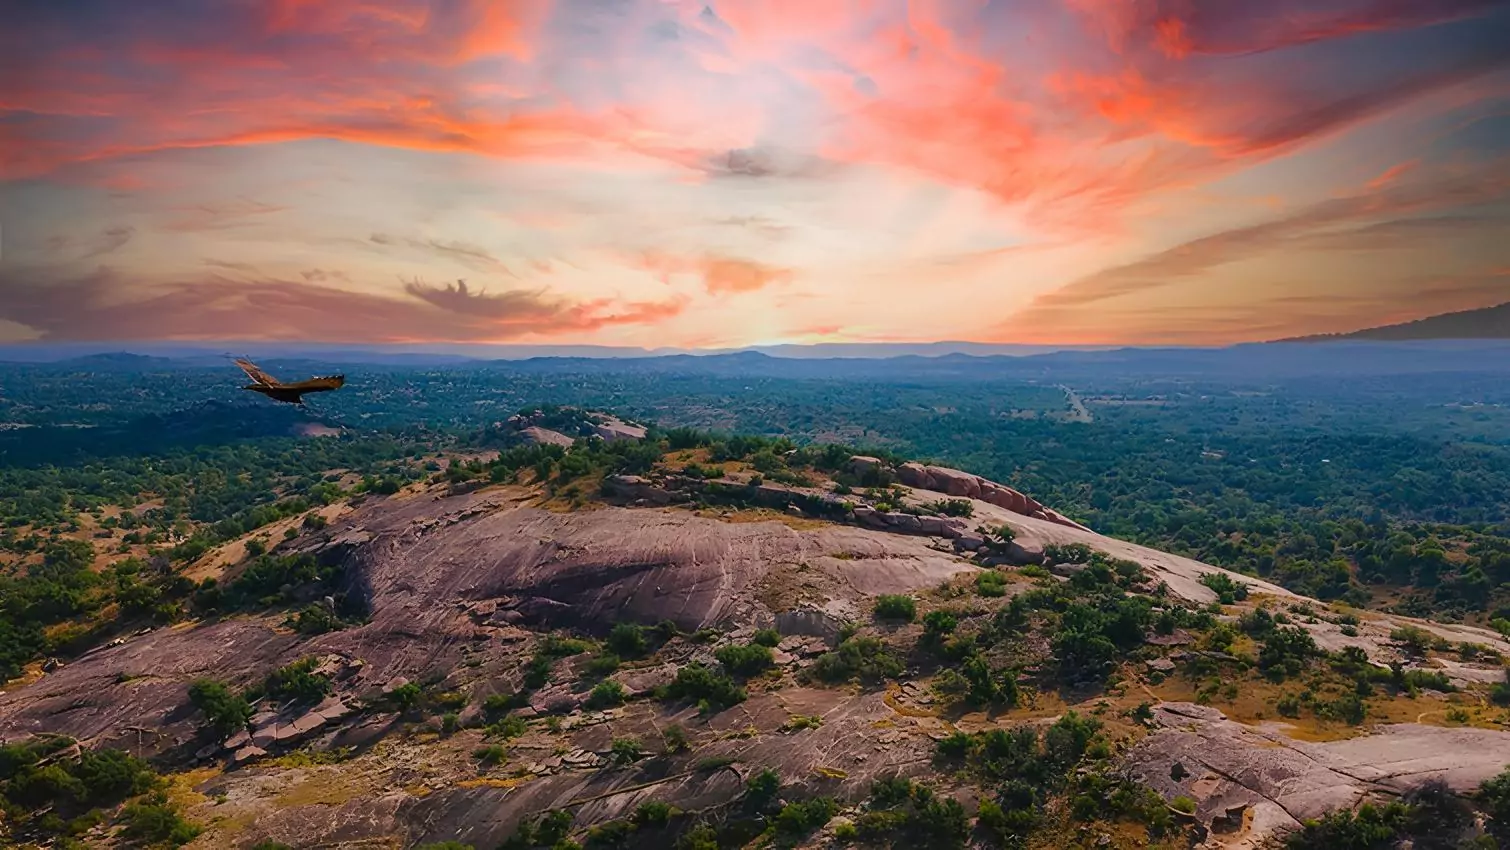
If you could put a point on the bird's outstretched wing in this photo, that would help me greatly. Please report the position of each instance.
(257, 375)
(318, 385)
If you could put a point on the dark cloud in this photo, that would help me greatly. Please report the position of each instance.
(765, 163)
(108, 240)
(232, 265)
(240, 212)
(469, 255)
(511, 305)
(1217, 27)
(320, 275)
(1312, 116)
(1368, 221)
(104, 305)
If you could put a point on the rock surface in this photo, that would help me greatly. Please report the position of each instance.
(544, 436)
(1223, 766)
(954, 482)
(450, 582)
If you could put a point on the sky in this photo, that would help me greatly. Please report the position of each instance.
(740, 172)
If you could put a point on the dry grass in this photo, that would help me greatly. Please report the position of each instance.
(326, 787)
(490, 782)
(768, 515)
(180, 786)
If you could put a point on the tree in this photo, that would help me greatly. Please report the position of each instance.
(225, 711)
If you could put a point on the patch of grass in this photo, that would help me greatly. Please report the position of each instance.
(798, 722)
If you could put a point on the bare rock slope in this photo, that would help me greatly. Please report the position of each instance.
(457, 586)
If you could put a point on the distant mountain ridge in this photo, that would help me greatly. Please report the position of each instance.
(435, 354)
(1483, 323)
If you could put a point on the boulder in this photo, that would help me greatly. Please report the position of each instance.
(309, 722)
(954, 482)
(643, 681)
(615, 430)
(905, 523)
(809, 622)
(265, 736)
(861, 464)
(915, 475)
(937, 526)
(559, 700)
(545, 437)
(246, 754)
(969, 542)
(1019, 553)
(1066, 570)
(633, 487)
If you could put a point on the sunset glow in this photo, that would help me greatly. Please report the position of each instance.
(699, 174)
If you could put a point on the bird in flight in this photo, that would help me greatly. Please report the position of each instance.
(293, 393)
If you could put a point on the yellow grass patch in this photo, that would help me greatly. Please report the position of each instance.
(323, 788)
(768, 515)
(490, 782)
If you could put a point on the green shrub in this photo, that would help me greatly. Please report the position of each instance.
(601, 666)
(653, 814)
(955, 746)
(491, 754)
(860, 657)
(953, 507)
(990, 583)
(674, 738)
(560, 646)
(998, 538)
(153, 821)
(607, 694)
(798, 722)
(745, 661)
(797, 819)
(1068, 553)
(701, 684)
(1227, 590)
(298, 682)
(767, 637)
(225, 711)
(507, 728)
(497, 705)
(896, 607)
(939, 624)
(628, 640)
(626, 750)
(762, 787)
(1285, 651)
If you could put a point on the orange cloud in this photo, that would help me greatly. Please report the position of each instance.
(942, 127)
(720, 274)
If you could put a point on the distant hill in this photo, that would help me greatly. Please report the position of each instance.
(1484, 323)
(437, 354)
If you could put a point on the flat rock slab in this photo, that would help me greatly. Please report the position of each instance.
(1224, 765)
